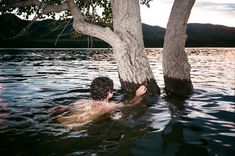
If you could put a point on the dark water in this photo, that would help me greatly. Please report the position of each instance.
(33, 81)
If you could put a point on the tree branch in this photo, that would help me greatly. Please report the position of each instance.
(46, 8)
(80, 25)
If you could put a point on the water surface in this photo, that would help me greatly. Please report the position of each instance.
(33, 81)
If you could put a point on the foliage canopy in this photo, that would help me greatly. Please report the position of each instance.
(94, 11)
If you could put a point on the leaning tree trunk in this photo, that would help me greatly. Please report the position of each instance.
(176, 68)
(132, 62)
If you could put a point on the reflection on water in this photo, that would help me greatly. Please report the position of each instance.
(32, 81)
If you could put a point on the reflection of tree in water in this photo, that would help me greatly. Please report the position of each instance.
(176, 104)
(179, 137)
(183, 139)
(181, 134)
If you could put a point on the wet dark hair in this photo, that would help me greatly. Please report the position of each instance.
(100, 88)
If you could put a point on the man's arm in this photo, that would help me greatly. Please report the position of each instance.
(136, 99)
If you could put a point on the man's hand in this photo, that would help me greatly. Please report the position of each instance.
(140, 91)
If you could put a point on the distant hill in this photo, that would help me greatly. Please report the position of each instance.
(20, 33)
(153, 35)
(209, 35)
(199, 35)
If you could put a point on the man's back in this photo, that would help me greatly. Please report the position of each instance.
(84, 111)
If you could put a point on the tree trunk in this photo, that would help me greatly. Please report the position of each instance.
(132, 62)
(176, 68)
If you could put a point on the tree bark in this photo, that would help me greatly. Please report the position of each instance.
(132, 62)
(176, 68)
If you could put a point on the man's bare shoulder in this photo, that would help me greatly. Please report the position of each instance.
(82, 103)
(84, 110)
(86, 103)
(78, 113)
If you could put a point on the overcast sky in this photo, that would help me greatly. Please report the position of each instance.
(220, 12)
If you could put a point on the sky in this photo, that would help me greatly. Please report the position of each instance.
(221, 12)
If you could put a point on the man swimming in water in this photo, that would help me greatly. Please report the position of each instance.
(101, 90)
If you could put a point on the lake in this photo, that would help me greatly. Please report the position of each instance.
(34, 80)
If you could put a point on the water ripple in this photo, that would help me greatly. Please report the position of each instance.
(32, 82)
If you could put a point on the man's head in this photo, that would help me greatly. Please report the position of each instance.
(101, 88)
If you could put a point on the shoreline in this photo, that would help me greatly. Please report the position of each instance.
(207, 51)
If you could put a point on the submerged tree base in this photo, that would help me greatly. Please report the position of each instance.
(178, 86)
(130, 87)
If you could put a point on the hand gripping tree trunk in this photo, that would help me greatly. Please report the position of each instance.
(176, 68)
